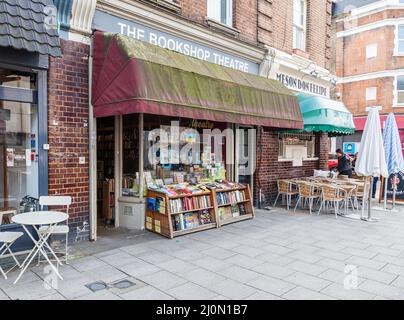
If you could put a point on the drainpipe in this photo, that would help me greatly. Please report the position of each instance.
(92, 141)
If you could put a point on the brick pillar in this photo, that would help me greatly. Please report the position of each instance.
(68, 129)
(323, 151)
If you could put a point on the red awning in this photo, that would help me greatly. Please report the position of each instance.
(131, 76)
(361, 121)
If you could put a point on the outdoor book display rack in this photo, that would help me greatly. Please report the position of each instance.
(176, 215)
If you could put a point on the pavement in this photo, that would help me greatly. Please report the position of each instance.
(278, 255)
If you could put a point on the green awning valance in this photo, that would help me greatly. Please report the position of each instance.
(325, 115)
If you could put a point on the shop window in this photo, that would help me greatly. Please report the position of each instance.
(184, 154)
(221, 11)
(299, 24)
(295, 145)
(400, 39)
(18, 155)
(130, 155)
(400, 90)
(17, 79)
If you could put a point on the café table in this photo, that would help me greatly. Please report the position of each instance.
(36, 219)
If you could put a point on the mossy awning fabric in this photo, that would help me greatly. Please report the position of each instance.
(325, 115)
(132, 76)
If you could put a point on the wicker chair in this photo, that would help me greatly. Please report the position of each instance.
(332, 195)
(286, 188)
(307, 192)
(358, 195)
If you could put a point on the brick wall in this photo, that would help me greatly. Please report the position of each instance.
(350, 56)
(354, 96)
(353, 49)
(68, 129)
(244, 16)
(245, 19)
(269, 22)
(269, 169)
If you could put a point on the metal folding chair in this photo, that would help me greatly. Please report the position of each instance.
(56, 201)
(8, 238)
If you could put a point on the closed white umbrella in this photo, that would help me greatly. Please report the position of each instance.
(371, 160)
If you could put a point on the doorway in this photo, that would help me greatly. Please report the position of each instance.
(106, 211)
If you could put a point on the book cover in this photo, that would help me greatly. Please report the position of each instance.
(222, 212)
(151, 203)
(234, 210)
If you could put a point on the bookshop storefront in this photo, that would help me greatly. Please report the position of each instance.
(167, 119)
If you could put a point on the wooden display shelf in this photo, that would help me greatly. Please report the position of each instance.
(236, 219)
(192, 210)
(195, 229)
(189, 195)
(162, 223)
(248, 207)
(230, 204)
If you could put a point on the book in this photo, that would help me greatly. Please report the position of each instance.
(204, 217)
(160, 205)
(190, 220)
(234, 210)
(241, 208)
(151, 204)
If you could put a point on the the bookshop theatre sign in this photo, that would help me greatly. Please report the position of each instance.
(297, 84)
(110, 23)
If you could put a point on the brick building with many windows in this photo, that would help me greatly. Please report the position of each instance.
(370, 59)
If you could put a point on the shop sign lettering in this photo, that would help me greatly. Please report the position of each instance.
(302, 85)
(107, 22)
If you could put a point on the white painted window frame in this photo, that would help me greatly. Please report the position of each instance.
(396, 40)
(396, 104)
(301, 27)
(214, 11)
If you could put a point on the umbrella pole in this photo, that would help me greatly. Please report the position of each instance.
(394, 192)
(370, 197)
(385, 192)
(369, 203)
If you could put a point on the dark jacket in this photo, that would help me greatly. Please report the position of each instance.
(343, 163)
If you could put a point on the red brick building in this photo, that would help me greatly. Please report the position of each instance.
(277, 40)
(370, 58)
(288, 41)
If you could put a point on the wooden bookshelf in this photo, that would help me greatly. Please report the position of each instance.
(162, 222)
(246, 202)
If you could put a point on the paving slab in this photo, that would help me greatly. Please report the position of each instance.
(192, 291)
(300, 293)
(307, 281)
(233, 289)
(162, 280)
(146, 293)
(271, 285)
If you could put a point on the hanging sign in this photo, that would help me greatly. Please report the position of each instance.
(306, 86)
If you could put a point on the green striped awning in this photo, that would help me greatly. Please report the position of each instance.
(325, 115)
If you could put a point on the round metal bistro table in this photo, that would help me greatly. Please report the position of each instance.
(35, 219)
